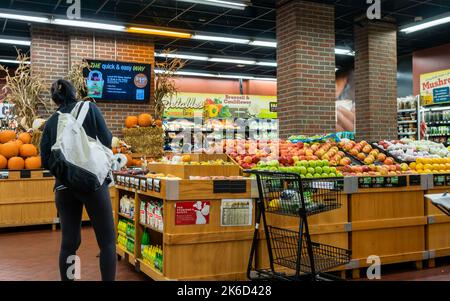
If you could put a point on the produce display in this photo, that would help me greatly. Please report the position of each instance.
(365, 153)
(409, 150)
(431, 165)
(186, 160)
(306, 169)
(16, 151)
(375, 170)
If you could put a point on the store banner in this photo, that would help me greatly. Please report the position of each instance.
(435, 87)
(190, 105)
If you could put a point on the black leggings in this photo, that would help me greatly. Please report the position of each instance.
(70, 203)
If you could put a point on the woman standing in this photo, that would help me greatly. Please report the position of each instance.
(70, 201)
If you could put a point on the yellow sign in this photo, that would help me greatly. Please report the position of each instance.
(435, 87)
(189, 105)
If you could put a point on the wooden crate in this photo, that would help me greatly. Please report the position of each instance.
(438, 228)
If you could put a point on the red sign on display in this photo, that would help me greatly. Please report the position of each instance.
(192, 213)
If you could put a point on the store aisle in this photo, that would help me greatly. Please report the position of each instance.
(33, 255)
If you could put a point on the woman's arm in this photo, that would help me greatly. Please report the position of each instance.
(103, 133)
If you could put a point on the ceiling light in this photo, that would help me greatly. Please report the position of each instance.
(229, 76)
(269, 64)
(343, 51)
(441, 19)
(220, 39)
(7, 61)
(182, 56)
(24, 18)
(263, 43)
(15, 42)
(221, 3)
(86, 24)
(159, 32)
(232, 61)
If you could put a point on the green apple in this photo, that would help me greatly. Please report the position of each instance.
(304, 163)
(339, 174)
(303, 170)
(332, 175)
(325, 163)
(326, 169)
(302, 176)
(333, 169)
(311, 170)
(318, 163)
(317, 175)
(312, 163)
(325, 175)
(318, 170)
(308, 175)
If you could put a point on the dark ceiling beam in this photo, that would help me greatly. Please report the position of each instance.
(432, 4)
(182, 13)
(254, 19)
(56, 5)
(4, 25)
(143, 10)
(101, 6)
(11, 3)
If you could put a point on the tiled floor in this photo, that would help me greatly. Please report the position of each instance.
(32, 254)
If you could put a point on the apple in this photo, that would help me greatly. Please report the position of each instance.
(319, 169)
(361, 156)
(317, 175)
(295, 158)
(312, 163)
(381, 157)
(388, 161)
(311, 170)
(302, 170)
(309, 175)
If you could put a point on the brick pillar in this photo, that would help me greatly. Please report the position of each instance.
(305, 73)
(376, 80)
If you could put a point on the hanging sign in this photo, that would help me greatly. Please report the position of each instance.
(192, 213)
(435, 87)
(190, 105)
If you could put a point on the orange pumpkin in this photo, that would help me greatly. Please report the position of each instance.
(16, 163)
(28, 150)
(145, 120)
(131, 121)
(9, 150)
(25, 137)
(123, 150)
(33, 162)
(3, 162)
(114, 150)
(158, 123)
(18, 142)
(129, 160)
(6, 136)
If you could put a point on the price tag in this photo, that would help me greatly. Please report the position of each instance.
(144, 185)
(150, 184)
(157, 186)
(136, 183)
(4, 174)
(127, 182)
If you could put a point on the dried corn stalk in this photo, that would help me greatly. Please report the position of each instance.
(76, 76)
(23, 89)
(165, 83)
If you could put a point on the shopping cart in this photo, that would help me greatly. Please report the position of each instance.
(292, 254)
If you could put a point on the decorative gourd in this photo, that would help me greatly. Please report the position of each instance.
(145, 120)
(28, 150)
(129, 160)
(33, 162)
(7, 135)
(3, 162)
(9, 150)
(16, 163)
(131, 121)
(25, 138)
(158, 123)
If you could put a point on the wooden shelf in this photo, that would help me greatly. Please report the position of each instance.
(125, 216)
(124, 250)
(151, 228)
(150, 271)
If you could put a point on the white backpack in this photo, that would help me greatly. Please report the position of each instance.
(79, 161)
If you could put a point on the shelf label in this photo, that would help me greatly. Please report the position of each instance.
(192, 213)
(382, 182)
(150, 184)
(4, 174)
(157, 185)
(143, 185)
(439, 180)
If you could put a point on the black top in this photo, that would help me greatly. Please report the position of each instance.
(94, 125)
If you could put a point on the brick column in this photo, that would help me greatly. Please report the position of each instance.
(305, 73)
(376, 80)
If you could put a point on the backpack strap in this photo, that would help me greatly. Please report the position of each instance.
(83, 112)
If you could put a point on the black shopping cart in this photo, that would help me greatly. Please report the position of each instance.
(292, 254)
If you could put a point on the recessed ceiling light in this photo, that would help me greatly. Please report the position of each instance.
(240, 66)
(427, 23)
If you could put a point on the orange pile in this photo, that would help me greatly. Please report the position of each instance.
(17, 153)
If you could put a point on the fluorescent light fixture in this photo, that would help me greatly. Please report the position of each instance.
(7, 61)
(182, 56)
(343, 51)
(228, 76)
(220, 39)
(232, 61)
(159, 32)
(263, 43)
(221, 3)
(87, 24)
(24, 18)
(15, 42)
(268, 64)
(442, 19)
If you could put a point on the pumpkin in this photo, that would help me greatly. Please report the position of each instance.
(3, 162)
(6, 136)
(28, 150)
(129, 160)
(131, 121)
(9, 150)
(114, 150)
(123, 150)
(158, 123)
(145, 120)
(25, 138)
(137, 163)
(33, 162)
(16, 163)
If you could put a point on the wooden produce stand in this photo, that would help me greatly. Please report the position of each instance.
(191, 251)
(437, 230)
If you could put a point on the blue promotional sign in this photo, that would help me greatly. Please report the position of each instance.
(441, 95)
